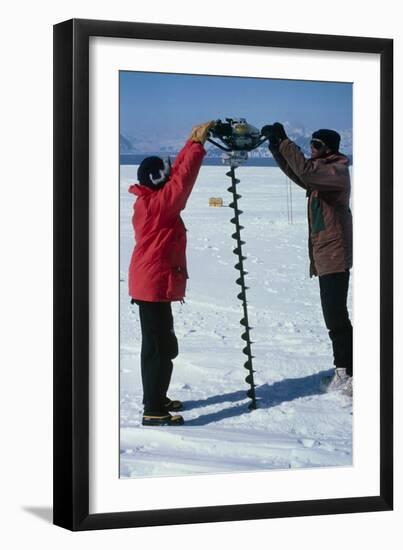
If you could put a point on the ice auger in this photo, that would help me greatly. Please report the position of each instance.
(237, 137)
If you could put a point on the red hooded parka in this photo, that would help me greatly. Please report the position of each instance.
(157, 271)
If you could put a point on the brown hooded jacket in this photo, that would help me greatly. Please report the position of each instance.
(327, 183)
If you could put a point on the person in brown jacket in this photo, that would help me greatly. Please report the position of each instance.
(326, 179)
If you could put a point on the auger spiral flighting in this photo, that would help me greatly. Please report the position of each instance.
(237, 137)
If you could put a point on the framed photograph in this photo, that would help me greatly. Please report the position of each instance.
(210, 187)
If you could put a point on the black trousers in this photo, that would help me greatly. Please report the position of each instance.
(158, 347)
(333, 295)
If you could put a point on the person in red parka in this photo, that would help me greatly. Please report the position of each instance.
(158, 271)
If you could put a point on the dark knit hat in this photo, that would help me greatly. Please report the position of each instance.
(329, 137)
(153, 168)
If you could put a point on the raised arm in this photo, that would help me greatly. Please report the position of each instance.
(317, 174)
(283, 165)
(174, 195)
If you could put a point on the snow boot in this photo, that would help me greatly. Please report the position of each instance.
(162, 420)
(173, 405)
(339, 381)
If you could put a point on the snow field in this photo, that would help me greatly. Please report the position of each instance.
(295, 426)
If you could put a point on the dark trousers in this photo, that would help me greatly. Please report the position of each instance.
(333, 295)
(158, 347)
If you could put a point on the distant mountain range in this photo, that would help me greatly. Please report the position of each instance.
(133, 148)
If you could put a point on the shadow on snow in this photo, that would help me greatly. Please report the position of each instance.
(267, 396)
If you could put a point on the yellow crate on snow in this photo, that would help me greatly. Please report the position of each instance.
(216, 202)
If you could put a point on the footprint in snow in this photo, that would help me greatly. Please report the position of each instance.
(308, 443)
(126, 451)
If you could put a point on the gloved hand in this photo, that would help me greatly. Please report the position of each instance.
(279, 131)
(200, 133)
(275, 133)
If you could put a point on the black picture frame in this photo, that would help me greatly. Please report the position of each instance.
(71, 273)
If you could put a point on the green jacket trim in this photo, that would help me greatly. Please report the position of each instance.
(318, 223)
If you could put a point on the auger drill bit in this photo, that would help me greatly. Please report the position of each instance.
(241, 281)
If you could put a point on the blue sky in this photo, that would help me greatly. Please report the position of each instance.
(158, 106)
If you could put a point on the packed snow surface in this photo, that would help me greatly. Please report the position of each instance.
(295, 425)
